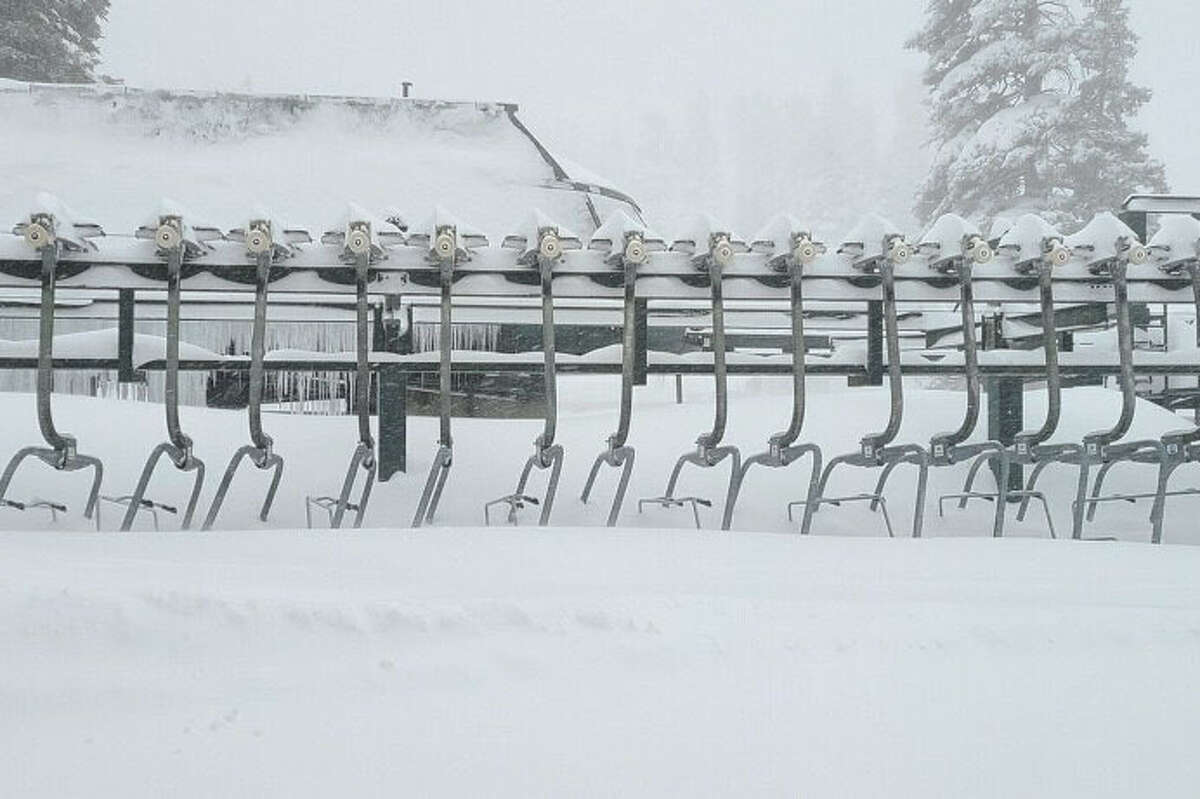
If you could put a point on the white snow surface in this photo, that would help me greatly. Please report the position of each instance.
(269, 661)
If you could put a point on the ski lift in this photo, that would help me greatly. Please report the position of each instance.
(1110, 248)
(447, 243)
(711, 248)
(1176, 248)
(176, 241)
(51, 231)
(628, 246)
(1034, 246)
(541, 245)
(789, 248)
(876, 248)
(266, 240)
(954, 247)
(363, 242)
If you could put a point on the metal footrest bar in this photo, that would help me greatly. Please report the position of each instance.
(515, 503)
(176, 241)
(263, 246)
(1023, 495)
(678, 502)
(55, 508)
(328, 504)
(878, 502)
(140, 505)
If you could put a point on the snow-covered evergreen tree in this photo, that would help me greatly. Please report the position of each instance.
(1030, 105)
(50, 40)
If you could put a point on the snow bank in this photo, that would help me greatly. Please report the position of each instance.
(590, 662)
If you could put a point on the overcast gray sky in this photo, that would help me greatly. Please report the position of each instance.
(574, 65)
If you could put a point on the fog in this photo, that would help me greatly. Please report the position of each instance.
(737, 109)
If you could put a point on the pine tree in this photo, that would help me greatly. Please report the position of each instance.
(1030, 105)
(50, 40)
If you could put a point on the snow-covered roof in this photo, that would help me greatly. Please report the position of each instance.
(113, 153)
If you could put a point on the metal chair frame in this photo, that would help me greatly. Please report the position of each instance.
(877, 450)
(445, 253)
(1028, 448)
(546, 453)
(62, 455)
(1104, 448)
(260, 450)
(618, 454)
(948, 449)
(782, 451)
(178, 447)
(363, 458)
(709, 451)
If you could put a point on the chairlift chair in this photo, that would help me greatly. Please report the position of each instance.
(362, 240)
(542, 245)
(266, 240)
(711, 248)
(789, 248)
(876, 248)
(176, 241)
(1034, 247)
(50, 231)
(447, 243)
(954, 247)
(628, 246)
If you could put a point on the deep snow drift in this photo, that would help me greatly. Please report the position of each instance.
(595, 663)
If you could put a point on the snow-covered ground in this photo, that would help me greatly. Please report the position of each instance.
(584, 661)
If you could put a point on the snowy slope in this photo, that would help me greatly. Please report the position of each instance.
(595, 663)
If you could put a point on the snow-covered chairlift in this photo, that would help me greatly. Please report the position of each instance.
(1034, 246)
(176, 241)
(266, 240)
(711, 248)
(789, 248)
(877, 247)
(627, 245)
(50, 230)
(953, 247)
(1110, 248)
(1176, 249)
(541, 245)
(362, 240)
(446, 242)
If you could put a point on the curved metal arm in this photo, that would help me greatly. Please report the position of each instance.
(550, 428)
(1053, 378)
(895, 379)
(971, 358)
(171, 389)
(628, 348)
(179, 448)
(45, 374)
(431, 495)
(1125, 351)
(362, 387)
(258, 349)
(260, 451)
(788, 436)
(446, 340)
(720, 372)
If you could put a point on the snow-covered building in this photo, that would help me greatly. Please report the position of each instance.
(113, 153)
